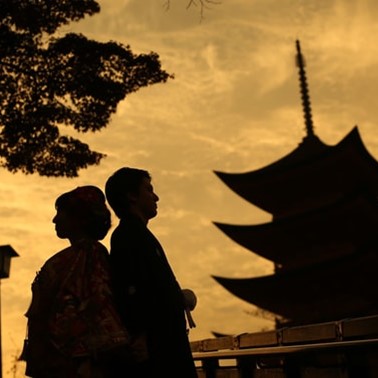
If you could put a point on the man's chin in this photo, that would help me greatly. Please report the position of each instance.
(61, 236)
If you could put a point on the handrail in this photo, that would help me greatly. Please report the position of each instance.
(276, 350)
(323, 349)
(343, 330)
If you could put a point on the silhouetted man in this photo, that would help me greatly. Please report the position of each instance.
(149, 298)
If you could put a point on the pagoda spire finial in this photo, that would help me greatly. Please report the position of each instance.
(305, 92)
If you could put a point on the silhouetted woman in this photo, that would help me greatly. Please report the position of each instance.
(73, 328)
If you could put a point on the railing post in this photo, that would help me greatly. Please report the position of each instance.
(246, 366)
(210, 366)
(292, 367)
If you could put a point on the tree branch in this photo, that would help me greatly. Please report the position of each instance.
(203, 4)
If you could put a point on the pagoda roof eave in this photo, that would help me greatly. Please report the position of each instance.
(335, 290)
(299, 175)
(340, 229)
(310, 148)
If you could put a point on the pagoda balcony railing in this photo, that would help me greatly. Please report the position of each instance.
(342, 349)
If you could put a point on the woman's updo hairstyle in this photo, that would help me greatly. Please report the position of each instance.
(87, 203)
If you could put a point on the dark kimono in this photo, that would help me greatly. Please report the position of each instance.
(150, 300)
(72, 320)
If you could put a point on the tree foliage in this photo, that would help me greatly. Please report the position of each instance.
(48, 81)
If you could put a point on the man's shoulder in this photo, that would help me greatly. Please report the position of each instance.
(128, 226)
(131, 234)
(127, 231)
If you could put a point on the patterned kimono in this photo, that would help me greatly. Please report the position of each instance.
(72, 323)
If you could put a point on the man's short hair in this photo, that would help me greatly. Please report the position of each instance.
(121, 183)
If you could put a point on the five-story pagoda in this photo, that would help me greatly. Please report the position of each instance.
(323, 237)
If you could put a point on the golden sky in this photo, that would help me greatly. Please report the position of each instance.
(233, 106)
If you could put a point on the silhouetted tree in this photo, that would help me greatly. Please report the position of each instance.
(47, 81)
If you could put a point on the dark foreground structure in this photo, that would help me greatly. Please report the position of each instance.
(342, 349)
(323, 242)
(323, 237)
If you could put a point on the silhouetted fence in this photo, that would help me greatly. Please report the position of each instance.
(343, 349)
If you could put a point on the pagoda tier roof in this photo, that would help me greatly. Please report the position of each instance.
(311, 175)
(310, 237)
(324, 292)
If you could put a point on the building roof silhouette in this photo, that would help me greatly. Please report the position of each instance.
(310, 176)
(336, 289)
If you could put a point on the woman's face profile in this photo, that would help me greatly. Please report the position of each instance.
(66, 225)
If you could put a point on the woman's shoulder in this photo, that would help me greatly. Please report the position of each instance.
(83, 246)
(56, 263)
(90, 246)
(62, 254)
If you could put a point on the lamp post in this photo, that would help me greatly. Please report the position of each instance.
(6, 253)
